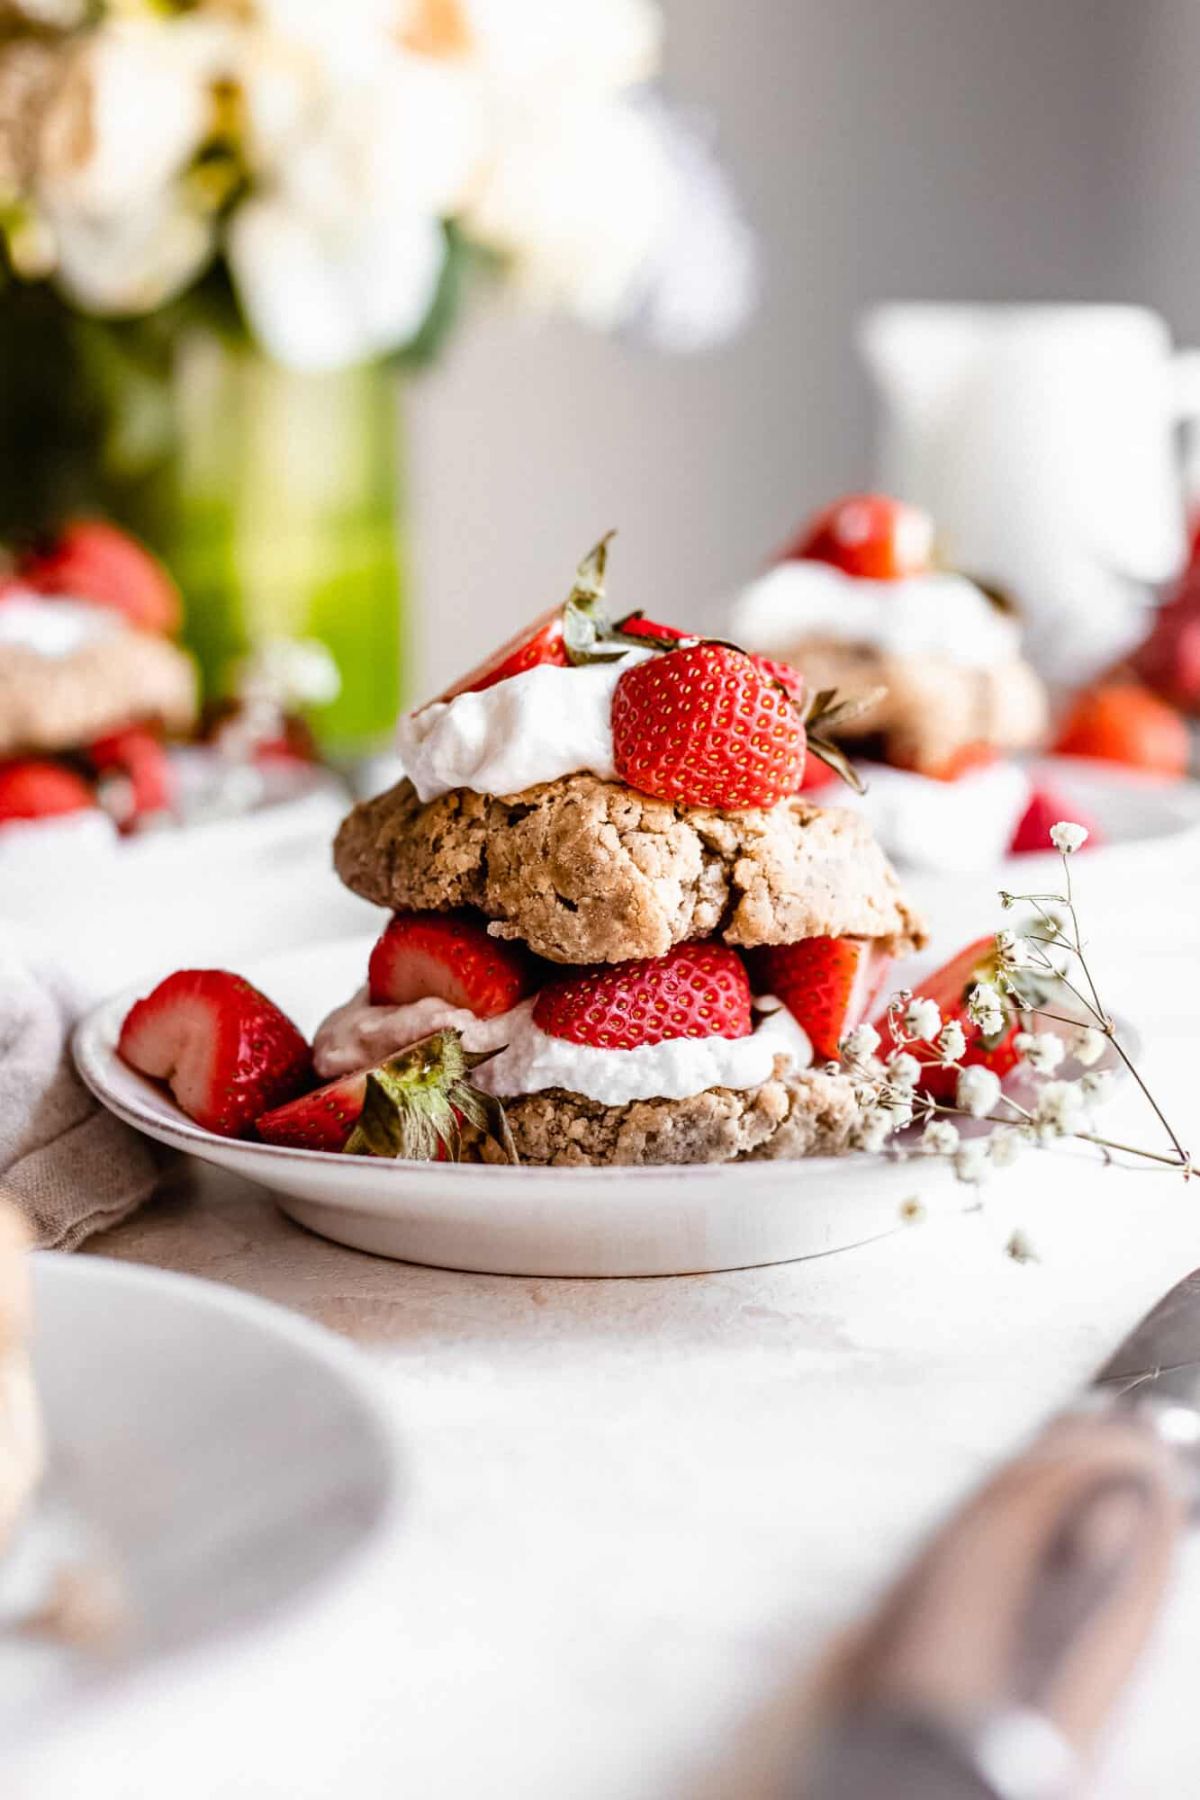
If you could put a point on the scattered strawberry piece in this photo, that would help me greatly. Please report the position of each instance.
(322, 1120)
(92, 560)
(705, 726)
(868, 535)
(451, 957)
(826, 984)
(41, 790)
(1122, 722)
(1045, 809)
(694, 991)
(226, 1051)
(950, 987)
(149, 780)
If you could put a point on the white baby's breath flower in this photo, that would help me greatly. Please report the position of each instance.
(978, 1090)
(1096, 1086)
(1058, 1109)
(1068, 837)
(952, 1041)
(922, 1019)
(1004, 1144)
(940, 1137)
(860, 1043)
(985, 1008)
(903, 1070)
(899, 1109)
(1020, 1248)
(971, 1161)
(873, 1130)
(1087, 1046)
(1043, 1051)
(132, 262)
(1013, 951)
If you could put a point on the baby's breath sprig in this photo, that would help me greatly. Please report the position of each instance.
(1040, 973)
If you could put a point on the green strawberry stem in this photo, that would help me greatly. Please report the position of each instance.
(417, 1101)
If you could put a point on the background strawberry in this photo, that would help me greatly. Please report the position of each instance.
(1122, 722)
(141, 759)
(826, 984)
(868, 535)
(226, 1051)
(705, 726)
(1045, 809)
(451, 957)
(695, 991)
(92, 560)
(34, 789)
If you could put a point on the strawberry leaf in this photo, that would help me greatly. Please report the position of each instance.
(586, 628)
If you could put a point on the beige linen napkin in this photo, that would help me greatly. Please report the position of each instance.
(68, 1166)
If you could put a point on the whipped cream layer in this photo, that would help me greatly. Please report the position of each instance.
(528, 1060)
(534, 727)
(54, 628)
(938, 614)
(946, 825)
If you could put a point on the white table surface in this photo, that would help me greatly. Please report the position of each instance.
(639, 1509)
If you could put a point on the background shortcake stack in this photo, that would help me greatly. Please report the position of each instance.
(616, 912)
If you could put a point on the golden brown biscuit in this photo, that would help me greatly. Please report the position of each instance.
(587, 871)
(49, 704)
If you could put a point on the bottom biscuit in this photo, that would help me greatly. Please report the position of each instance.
(789, 1116)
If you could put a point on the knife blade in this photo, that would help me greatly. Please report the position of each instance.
(994, 1663)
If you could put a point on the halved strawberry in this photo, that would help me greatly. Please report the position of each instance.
(694, 991)
(413, 1106)
(950, 987)
(542, 642)
(226, 1051)
(1122, 722)
(642, 629)
(37, 789)
(826, 983)
(451, 957)
(140, 758)
(1045, 809)
(92, 560)
(705, 726)
(868, 535)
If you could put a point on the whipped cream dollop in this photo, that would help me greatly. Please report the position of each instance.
(938, 614)
(54, 627)
(534, 727)
(945, 825)
(528, 1060)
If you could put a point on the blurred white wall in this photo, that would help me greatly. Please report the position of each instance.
(902, 148)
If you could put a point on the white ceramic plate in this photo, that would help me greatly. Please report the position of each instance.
(216, 1459)
(526, 1221)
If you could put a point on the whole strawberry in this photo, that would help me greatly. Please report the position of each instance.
(707, 726)
(695, 991)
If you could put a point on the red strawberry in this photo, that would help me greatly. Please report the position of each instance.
(451, 957)
(705, 726)
(817, 775)
(950, 987)
(542, 642)
(826, 984)
(227, 1052)
(92, 560)
(1122, 722)
(694, 991)
(322, 1120)
(636, 625)
(141, 758)
(41, 790)
(868, 535)
(1044, 810)
(790, 680)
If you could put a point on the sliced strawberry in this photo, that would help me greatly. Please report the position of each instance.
(226, 1051)
(637, 626)
(542, 642)
(92, 560)
(868, 535)
(706, 727)
(41, 790)
(449, 956)
(826, 984)
(1045, 809)
(1122, 722)
(147, 785)
(694, 991)
(950, 987)
(322, 1120)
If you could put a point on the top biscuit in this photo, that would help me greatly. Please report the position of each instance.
(50, 704)
(589, 871)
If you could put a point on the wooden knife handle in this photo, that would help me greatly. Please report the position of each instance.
(1039, 1594)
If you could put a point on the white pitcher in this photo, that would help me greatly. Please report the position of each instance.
(1044, 440)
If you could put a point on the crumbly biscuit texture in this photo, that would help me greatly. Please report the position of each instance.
(49, 704)
(584, 870)
(931, 708)
(790, 1116)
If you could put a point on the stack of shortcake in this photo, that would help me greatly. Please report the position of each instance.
(609, 892)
